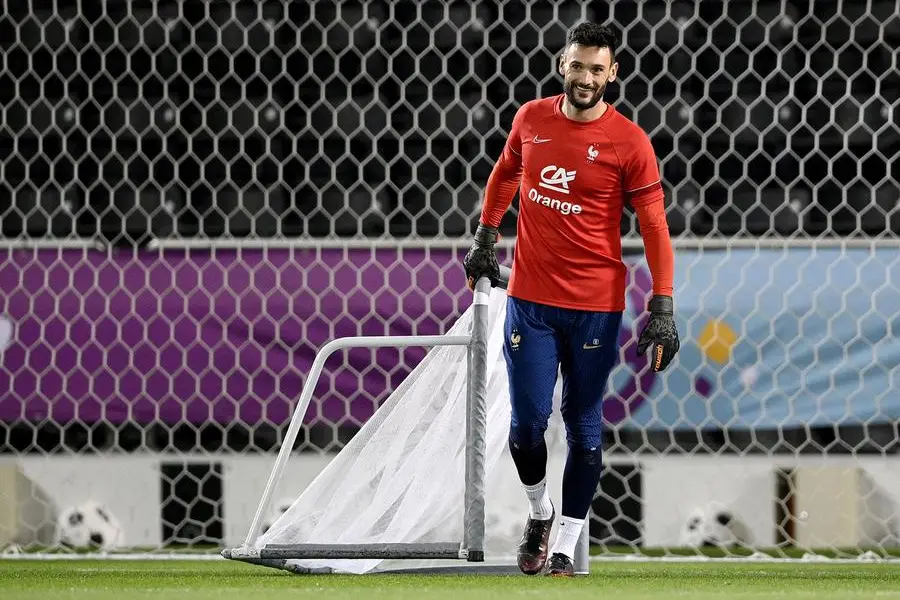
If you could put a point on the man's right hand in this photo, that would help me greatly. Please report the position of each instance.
(481, 260)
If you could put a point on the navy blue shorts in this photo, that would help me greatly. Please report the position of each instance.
(542, 341)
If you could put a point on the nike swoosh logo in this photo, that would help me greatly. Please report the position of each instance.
(538, 140)
(591, 346)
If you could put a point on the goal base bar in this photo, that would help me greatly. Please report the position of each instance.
(506, 567)
(434, 550)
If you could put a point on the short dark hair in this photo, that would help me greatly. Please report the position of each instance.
(593, 34)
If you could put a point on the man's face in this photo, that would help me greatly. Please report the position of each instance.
(586, 70)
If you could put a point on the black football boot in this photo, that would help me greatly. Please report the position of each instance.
(532, 552)
(560, 565)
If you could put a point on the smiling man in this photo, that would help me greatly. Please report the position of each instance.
(575, 161)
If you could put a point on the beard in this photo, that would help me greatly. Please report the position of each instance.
(571, 94)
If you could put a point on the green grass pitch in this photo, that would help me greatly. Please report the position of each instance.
(224, 580)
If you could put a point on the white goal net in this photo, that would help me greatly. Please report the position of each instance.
(196, 196)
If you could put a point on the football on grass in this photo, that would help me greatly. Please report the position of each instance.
(713, 526)
(89, 526)
(275, 513)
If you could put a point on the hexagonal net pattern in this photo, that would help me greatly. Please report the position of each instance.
(196, 196)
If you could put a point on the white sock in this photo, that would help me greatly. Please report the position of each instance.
(567, 536)
(539, 503)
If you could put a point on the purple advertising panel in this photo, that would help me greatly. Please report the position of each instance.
(213, 335)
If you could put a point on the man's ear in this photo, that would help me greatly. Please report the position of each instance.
(614, 71)
(559, 65)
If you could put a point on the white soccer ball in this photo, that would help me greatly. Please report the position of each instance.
(89, 526)
(713, 525)
(275, 513)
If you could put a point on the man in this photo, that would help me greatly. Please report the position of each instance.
(577, 160)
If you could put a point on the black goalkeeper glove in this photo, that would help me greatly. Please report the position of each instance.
(660, 334)
(480, 260)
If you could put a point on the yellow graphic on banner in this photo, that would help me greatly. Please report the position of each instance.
(716, 341)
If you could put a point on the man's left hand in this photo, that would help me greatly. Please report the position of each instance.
(660, 334)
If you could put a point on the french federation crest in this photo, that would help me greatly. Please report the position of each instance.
(514, 340)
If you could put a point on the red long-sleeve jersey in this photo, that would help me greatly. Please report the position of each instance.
(573, 180)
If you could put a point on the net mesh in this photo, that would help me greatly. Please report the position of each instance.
(302, 169)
